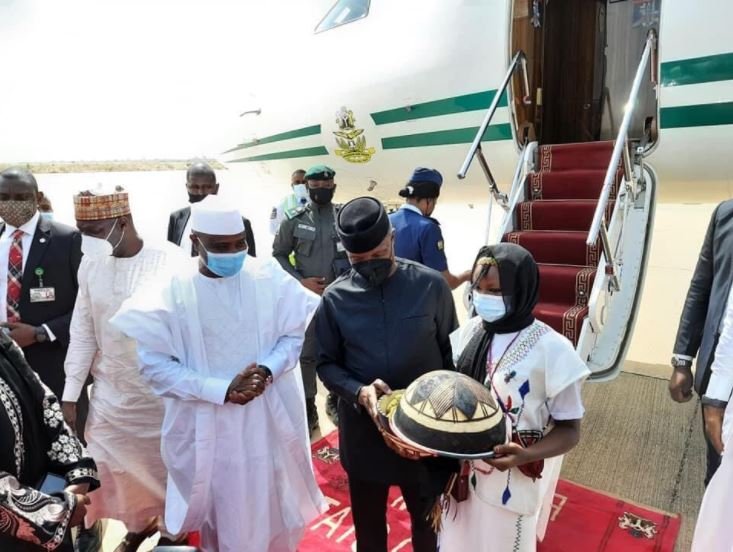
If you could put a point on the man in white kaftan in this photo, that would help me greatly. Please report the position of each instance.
(221, 344)
(713, 532)
(123, 427)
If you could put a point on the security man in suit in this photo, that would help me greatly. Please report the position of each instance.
(309, 232)
(39, 260)
(200, 182)
(418, 236)
(702, 318)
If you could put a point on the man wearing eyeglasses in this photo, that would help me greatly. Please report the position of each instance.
(309, 233)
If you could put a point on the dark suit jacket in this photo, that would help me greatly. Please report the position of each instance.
(177, 224)
(56, 248)
(707, 297)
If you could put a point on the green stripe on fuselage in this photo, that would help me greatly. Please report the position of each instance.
(289, 135)
(697, 115)
(446, 106)
(290, 154)
(698, 70)
(447, 137)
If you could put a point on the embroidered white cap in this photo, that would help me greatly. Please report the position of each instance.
(214, 215)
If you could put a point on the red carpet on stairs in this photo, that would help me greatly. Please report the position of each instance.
(582, 519)
(553, 225)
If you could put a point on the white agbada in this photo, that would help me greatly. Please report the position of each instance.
(538, 377)
(123, 427)
(714, 531)
(242, 475)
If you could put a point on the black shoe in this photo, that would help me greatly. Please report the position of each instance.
(332, 412)
(89, 540)
(312, 413)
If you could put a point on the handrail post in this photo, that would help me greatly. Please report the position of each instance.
(629, 175)
(621, 142)
(489, 115)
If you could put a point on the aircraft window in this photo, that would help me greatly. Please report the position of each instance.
(343, 12)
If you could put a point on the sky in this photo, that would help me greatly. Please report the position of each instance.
(139, 79)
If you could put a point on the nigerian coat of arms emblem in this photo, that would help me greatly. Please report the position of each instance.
(351, 140)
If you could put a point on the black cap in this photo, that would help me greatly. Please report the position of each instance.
(424, 183)
(362, 224)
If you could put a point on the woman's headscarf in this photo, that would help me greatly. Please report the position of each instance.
(519, 278)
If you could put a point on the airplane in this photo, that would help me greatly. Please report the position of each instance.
(581, 113)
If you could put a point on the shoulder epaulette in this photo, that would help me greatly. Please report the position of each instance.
(295, 211)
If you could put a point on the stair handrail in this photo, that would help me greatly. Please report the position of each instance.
(621, 152)
(518, 61)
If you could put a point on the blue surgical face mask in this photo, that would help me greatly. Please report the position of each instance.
(489, 307)
(47, 215)
(301, 192)
(225, 264)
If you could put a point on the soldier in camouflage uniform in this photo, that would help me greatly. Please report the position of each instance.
(309, 234)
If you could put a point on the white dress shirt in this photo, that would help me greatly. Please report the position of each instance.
(721, 380)
(6, 240)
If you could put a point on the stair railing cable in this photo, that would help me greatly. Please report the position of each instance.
(621, 155)
(519, 62)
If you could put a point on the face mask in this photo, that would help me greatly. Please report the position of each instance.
(97, 247)
(489, 307)
(47, 215)
(375, 271)
(195, 198)
(301, 192)
(225, 264)
(17, 213)
(321, 196)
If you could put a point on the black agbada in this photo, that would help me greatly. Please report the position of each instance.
(35, 442)
(395, 332)
(519, 277)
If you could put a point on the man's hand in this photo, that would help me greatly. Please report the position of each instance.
(69, 411)
(465, 276)
(316, 284)
(23, 334)
(247, 385)
(680, 384)
(369, 394)
(508, 456)
(713, 417)
(77, 517)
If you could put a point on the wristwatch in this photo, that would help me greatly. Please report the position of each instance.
(41, 335)
(715, 403)
(678, 362)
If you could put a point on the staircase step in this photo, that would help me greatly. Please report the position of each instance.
(567, 320)
(583, 155)
(549, 246)
(566, 284)
(575, 184)
(558, 214)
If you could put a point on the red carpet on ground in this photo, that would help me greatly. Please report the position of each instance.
(583, 520)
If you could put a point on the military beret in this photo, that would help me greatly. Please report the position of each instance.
(362, 224)
(424, 183)
(320, 172)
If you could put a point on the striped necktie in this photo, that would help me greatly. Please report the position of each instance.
(15, 276)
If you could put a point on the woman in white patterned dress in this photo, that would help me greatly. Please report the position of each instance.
(535, 375)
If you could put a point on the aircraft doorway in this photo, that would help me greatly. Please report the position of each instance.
(581, 56)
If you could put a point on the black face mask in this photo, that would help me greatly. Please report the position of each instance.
(195, 198)
(321, 196)
(374, 271)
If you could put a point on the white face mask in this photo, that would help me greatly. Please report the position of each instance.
(489, 307)
(97, 247)
(300, 191)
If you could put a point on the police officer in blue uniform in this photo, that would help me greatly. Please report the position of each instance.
(418, 236)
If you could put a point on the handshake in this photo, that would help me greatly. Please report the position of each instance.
(249, 384)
